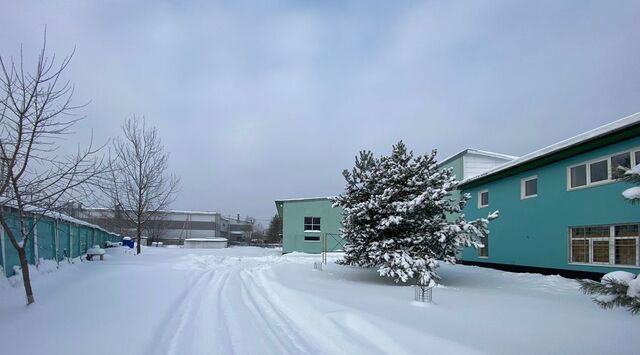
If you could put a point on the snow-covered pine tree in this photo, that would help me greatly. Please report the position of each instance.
(616, 289)
(395, 216)
(633, 176)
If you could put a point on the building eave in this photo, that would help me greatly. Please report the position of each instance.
(617, 131)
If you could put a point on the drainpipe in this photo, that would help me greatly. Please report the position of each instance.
(4, 254)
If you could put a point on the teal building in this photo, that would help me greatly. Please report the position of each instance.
(561, 207)
(310, 225)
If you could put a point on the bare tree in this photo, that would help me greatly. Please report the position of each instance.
(140, 183)
(36, 114)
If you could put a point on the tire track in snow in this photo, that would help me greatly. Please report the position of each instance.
(282, 330)
(175, 325)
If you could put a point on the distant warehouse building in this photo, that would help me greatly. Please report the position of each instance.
(311, 224)
(173, 227)
(561, 208)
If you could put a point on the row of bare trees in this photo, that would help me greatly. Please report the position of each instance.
(36, 115)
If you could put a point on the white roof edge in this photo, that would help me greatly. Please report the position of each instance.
(580, 138)
(304, 199)
(492, 154)
(478, 152)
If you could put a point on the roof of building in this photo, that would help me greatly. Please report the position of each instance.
(618, 130)
(57, 215)
(477, 152)
(304, 199)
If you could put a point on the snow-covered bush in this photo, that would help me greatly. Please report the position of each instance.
(395, 216)
(615, 289)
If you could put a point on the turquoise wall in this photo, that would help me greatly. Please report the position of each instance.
(535, 231)
(293, 213)
(71, 237)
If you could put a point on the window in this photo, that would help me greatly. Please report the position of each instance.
(484, 251)
(579, 176)
(626, 245)
(602, 170)
(312, 223)
(311, 238)
(611, 245)
(619, 163)
(483, 198)
(529, 187)
(599, 171)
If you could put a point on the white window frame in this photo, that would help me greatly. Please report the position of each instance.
(609, 179)
(312, 230)
(480, 205)
(612, 244)
(523, 189)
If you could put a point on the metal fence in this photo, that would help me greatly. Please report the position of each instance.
(52, 239)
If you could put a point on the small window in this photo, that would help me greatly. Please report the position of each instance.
(599, 171)
(529, 187)
(311, 238)
(637, 156)
(483, 198)
(312, 223)
(484, 251)
(579, 176)
(619, 163)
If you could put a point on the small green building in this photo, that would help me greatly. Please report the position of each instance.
(310, 225)
(561, 208)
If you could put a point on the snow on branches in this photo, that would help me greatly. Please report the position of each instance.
(400, 216)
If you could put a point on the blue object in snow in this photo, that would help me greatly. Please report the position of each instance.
(127, 242)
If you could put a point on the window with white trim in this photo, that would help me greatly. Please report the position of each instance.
(601, 170)
(608, 245)
(311, 238)
(529, 187)
(311, 224)
(484, 251)
(483, 198)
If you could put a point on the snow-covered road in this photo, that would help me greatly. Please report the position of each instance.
(255, 301)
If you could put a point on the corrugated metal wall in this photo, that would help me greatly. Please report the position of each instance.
(53, 239)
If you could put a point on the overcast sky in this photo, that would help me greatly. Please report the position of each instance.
(263, 100)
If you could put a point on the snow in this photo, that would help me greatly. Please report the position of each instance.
(255, 301)
(634, 287)
(622, 276)
(95, 250)
(581, 138)
(215, 239)
(632, 193)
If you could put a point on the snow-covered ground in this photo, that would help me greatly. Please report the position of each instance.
(255, 301)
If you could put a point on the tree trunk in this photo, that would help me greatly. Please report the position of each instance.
(26, 279)
(138, 239)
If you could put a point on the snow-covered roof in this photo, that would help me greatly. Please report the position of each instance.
(304, 199)
(477, 152)
(59, 216)
(562, 145)
(216, 239)
(161, 211)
